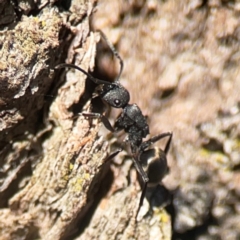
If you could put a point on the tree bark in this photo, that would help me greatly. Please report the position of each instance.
(51, 157)
(180, 67)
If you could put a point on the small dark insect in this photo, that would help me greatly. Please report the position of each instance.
(150, 163)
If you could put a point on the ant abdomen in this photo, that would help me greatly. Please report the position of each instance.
(154, 162)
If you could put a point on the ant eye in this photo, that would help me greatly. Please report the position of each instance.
(117, 102)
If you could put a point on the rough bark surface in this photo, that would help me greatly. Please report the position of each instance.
(50, 157)
(181, 67)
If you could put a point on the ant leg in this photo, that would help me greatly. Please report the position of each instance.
(105, 121)
(111, 156)
(145, 179)
(141, 198)
(154, 139)
(114, 154)
(114, 51)
(140, 170)
(168, 144)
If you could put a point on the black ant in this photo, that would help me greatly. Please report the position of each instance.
(151, 163)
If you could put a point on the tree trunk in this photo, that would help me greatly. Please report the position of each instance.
(181, 61)
(51, 157)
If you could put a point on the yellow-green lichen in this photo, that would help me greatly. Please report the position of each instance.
(78, 183)
(162, 214)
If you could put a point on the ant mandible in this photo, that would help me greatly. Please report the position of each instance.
(151, 163)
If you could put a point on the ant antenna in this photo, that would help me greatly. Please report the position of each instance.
(114, 51)
(95, 80)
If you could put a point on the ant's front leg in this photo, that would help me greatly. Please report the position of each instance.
(111, 156)
(104, 119)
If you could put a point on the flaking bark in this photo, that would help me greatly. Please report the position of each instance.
(51, 157)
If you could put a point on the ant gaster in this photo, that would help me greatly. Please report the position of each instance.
(151, 163)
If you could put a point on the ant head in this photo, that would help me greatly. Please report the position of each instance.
(114, 94)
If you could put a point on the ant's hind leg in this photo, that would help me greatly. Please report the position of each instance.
(105, 121)
(145, 180)
(141, 198)
(154, 139)
(168, 144)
